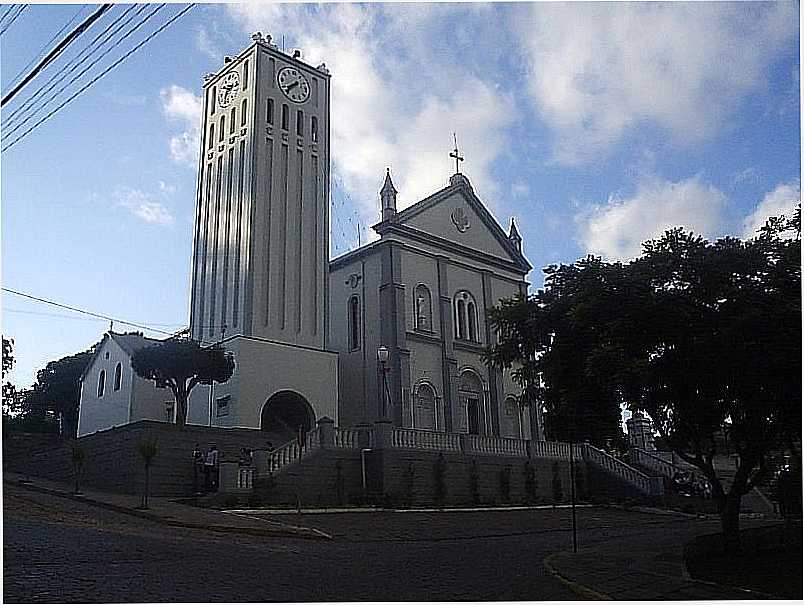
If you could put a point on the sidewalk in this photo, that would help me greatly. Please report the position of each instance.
(647, 566)
(164, 511)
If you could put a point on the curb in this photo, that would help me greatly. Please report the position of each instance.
(582, 591)
(286, 532)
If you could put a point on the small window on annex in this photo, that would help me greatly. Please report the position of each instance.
(222, 406)
(314, 129)
(423, 308)
(101, 383)
(354, 323)
(118, 376)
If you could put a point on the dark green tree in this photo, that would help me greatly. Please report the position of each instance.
(9, 390)
(181, 364)
(704, 337)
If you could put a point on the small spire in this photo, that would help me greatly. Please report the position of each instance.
(513, 235)
(388, 197)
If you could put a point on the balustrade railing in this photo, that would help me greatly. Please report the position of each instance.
(425, 440)
(346, 438)
(292, 451)
(654, 463)
(496, 446)
(653, 486)
(550, 449)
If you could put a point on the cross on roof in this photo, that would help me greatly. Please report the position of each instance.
(456, 155)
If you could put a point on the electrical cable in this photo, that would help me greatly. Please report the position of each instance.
(98, 77)
(72, 65)
(10, 8)
(32, 113)
(45, 47)
(83, 311)
(60, 47)
(14, 18)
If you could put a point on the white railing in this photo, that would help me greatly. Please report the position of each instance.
(425, 440)
(652, 486)
(292, 451)
(346, 438)
(550, 449)
(496, 446)
(653, 463)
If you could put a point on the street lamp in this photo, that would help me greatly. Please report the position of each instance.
(382, 359)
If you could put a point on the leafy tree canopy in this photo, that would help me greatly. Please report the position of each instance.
(705, 337)
(181, 364)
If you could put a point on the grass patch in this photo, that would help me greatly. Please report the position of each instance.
(770, 560)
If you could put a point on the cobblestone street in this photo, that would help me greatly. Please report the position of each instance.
(57, 550)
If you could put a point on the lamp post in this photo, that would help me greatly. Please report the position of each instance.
(382, 360)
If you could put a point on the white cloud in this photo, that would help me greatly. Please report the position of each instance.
(599, 71)
(182, 106)
(395, 102)
(781, 201)
(615, 230)
(142, 206)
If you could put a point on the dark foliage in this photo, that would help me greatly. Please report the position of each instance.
(181, 364)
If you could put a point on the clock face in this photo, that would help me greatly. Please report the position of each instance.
(294, 84)
(228, 88)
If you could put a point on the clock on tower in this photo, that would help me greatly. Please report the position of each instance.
(261, 240)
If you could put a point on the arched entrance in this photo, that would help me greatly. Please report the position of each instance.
(286, 413)
(470, 397)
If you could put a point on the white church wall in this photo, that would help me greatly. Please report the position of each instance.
(264, 368)
(425, 367)
(112, 408)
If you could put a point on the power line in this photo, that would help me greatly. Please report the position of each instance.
(74, 318)
(14, 18)
(10, 8)
(99, 76)
(83, 311)
(62, 74)
(51, 56)
(45, 47)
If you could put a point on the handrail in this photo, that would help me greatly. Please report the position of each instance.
(653, 486)
(346, 438)
(422, 439)
(292, 451)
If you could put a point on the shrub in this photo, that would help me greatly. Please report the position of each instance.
(558, 491)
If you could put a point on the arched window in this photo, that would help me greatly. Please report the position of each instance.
(513, 417)
(222, 128)
(471, 316)
(269, 111)
(300, 123)
(471, 404)
(118, 376)
(245, 75)
(422, 308)
(285, 111)
(101, 383)
(314, 129)
(212, 101)
(211, 135)
(354, 323)
(424, 407)
(243, 112)
(465, 312)
(232, 119)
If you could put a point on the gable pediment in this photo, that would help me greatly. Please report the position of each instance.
(456, 214)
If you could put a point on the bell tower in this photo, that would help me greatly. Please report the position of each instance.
(261, 239)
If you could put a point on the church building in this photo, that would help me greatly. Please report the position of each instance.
(395, 329)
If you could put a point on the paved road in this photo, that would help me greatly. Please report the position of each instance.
(57, 550)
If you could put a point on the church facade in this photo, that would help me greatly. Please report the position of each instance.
(309, 334)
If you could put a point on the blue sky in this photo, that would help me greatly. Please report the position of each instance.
(596, 125)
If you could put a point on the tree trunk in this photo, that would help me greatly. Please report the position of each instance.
(730, 521)
(181, 408)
